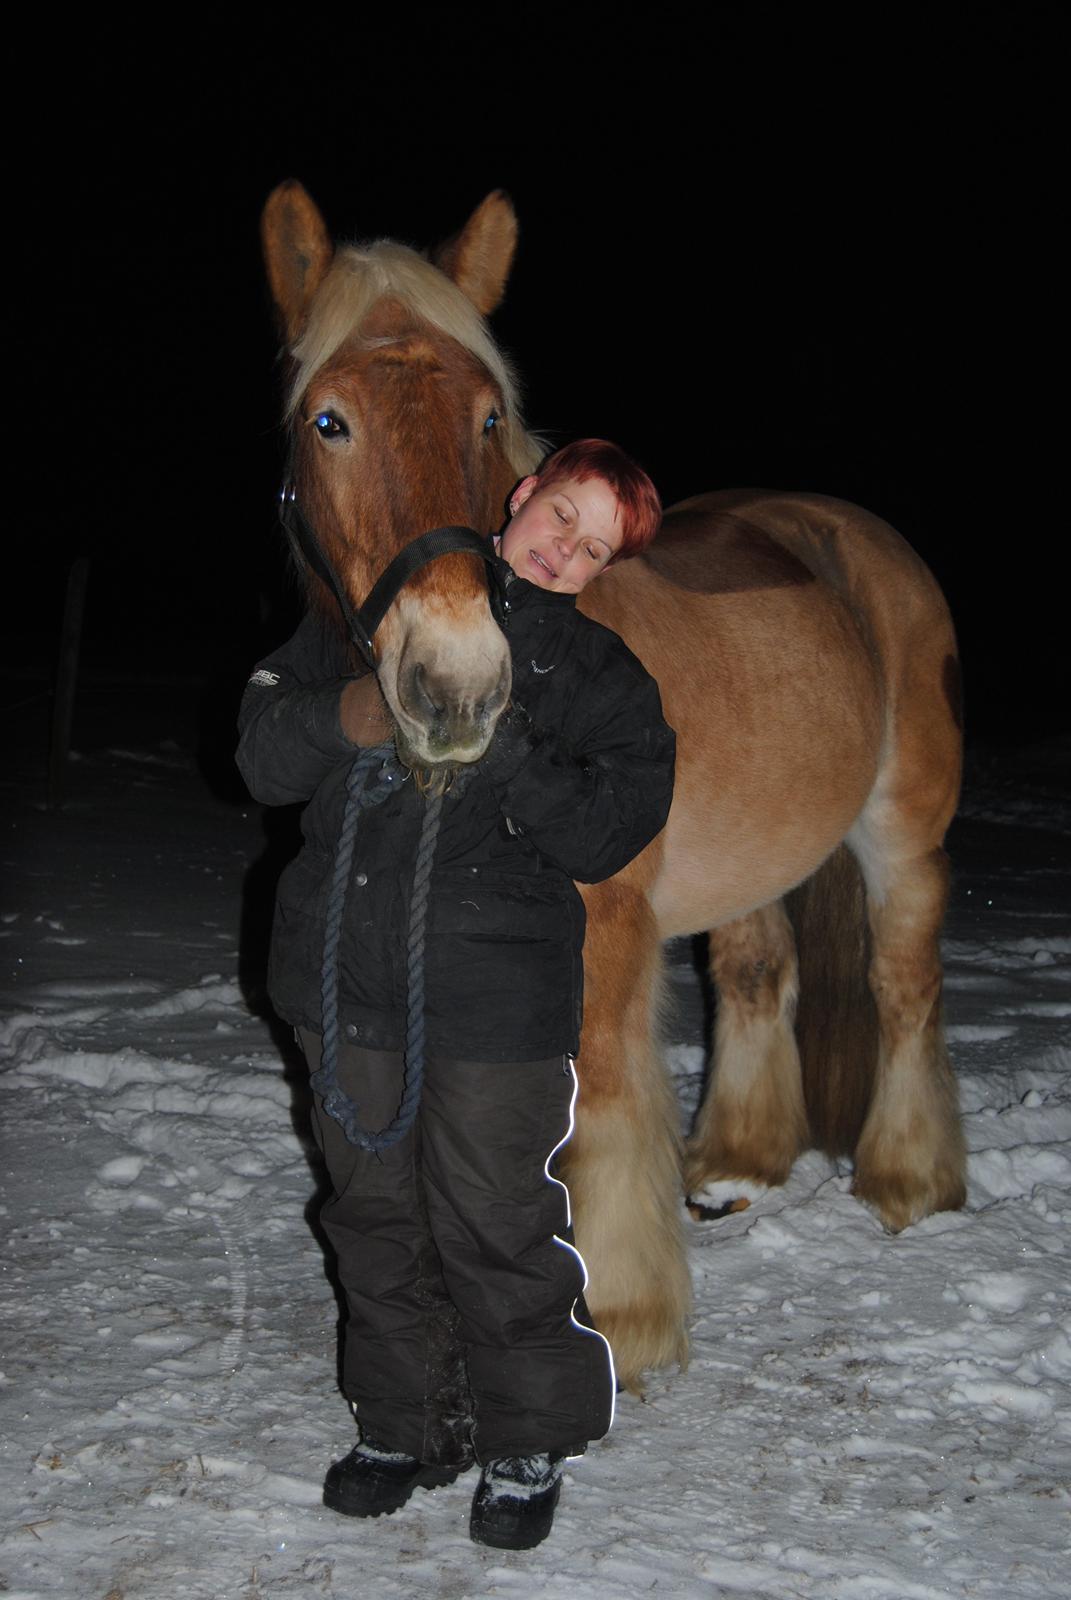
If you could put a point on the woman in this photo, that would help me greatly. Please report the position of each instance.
(468, 1337)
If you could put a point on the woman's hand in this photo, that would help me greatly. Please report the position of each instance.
(363, 713)
(513, 742)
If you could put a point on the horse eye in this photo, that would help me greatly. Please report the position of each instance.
(328, 426)
(492, 418)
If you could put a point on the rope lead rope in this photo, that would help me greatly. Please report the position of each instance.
(360, 796)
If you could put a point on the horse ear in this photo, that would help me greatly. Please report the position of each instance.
(297, 253)
(480, 256)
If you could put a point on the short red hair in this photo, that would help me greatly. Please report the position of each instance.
(641, 509)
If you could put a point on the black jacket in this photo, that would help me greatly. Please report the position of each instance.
(504, 975)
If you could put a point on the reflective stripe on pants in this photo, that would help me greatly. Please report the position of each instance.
(467, 1330)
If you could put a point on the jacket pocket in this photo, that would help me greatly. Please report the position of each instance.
(504, 968)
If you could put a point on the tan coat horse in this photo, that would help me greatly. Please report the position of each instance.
(807, 661)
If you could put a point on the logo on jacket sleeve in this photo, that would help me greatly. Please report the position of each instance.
(266, 680)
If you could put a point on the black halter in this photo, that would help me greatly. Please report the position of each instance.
(363, 621)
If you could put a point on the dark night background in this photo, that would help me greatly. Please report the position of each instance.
(790, 246)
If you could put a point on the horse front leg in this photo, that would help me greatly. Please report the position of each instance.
(910, 1159)
(752, 1123)
(622, 1166)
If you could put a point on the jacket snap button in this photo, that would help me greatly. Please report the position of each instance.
(351, 1030)
(361, 879)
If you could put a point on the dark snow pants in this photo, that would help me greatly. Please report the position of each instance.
(467, 1333)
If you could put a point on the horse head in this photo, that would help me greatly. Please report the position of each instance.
(404, 417)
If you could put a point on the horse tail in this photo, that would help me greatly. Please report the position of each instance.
(836, 1018)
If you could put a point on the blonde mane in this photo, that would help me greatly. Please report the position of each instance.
(359, 277)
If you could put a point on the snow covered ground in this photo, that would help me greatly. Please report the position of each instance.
(864, 1418)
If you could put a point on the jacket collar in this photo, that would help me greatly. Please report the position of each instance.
(519, 592)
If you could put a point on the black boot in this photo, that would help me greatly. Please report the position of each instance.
(373, 1481)
(514, 1505)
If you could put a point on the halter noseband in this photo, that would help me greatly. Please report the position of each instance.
(364, 620)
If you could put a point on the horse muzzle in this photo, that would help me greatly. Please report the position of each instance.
(445, 717)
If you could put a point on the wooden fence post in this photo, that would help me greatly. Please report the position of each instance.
(66, 679)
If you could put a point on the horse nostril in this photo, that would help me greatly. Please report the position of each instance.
(495, 700)
(426, 692)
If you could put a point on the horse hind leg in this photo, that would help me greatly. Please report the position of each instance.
(910, 1159)
(752, 1123)
(622, 1166)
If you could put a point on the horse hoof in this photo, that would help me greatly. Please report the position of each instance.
(898, 1205)
(714, 1198)
(704, 1213)
(643, 1338)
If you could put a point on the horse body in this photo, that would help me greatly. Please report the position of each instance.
(767, 621)
(807, 662)
(749, 664)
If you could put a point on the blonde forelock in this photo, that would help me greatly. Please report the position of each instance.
(359, 277)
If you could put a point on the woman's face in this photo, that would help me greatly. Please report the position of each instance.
(561, 537)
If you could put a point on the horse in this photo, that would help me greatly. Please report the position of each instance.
(807, 661)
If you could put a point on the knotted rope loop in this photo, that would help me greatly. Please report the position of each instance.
(362, 792)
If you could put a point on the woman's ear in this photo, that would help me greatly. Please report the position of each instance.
(522, 492)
